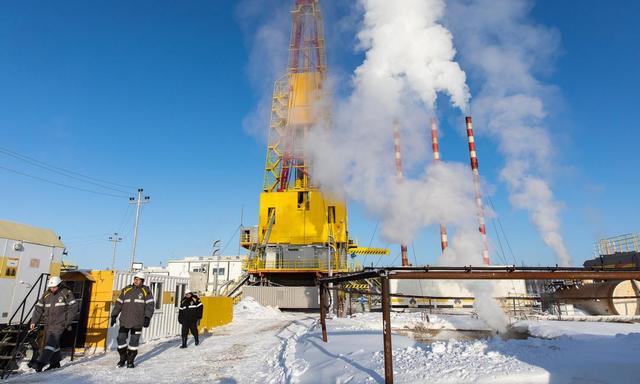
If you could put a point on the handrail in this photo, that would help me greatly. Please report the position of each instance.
(23, 336)
(237, 287)
(42, 280)
(315, 264)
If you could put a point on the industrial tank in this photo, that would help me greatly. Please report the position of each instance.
(605, 298)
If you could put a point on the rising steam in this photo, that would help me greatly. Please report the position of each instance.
(504, 51)
(409, 60)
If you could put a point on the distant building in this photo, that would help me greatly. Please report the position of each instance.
(203, 269)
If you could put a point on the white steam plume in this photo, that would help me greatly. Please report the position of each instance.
(503, 50)
(463, 246)
(409, 49)
(409, 59)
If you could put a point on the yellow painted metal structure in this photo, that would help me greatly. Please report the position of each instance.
(217, 311)
(99, 309)
(369, 251)
(305, 98)
(302, 217)
(55, 268)
(301, 229)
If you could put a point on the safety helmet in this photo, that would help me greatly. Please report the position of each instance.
(186, 291)
(139, 275)
(54, 281)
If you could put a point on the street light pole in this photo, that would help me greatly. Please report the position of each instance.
(139, 201)
(115, 239)
(216, 249)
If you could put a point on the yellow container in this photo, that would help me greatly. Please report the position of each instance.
(217, 311)
(99, 308)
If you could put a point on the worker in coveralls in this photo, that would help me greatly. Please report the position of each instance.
(56, 309)
(135, 305)
(189, 316)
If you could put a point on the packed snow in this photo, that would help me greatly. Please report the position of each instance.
(266, 345)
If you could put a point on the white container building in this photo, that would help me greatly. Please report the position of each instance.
(227, 268)
(27, 253)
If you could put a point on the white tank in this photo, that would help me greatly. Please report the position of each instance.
(612, 297)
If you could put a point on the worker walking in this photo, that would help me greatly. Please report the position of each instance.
(189, 316)
(57, 309)
(135, 305)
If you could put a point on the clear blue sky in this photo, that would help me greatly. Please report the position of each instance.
(153, 94)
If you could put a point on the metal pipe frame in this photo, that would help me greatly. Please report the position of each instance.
(458, 273)
(386, 327)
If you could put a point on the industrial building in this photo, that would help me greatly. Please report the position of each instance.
(212, 275)
(28, 252)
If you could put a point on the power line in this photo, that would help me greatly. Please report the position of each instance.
(62, 184)
(364, 260)
(229, 241)
(65, 172)
(504, 234)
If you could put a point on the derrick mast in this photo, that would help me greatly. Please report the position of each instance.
(302, 230)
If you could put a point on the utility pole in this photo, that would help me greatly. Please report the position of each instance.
(216, 249)
(138, 202)
(115, 239)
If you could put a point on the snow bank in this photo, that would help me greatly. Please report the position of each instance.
(249, 308)
(373, 320)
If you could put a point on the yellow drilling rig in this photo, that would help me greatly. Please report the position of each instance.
(302, 229)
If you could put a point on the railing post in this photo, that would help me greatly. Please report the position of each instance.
(386, 326)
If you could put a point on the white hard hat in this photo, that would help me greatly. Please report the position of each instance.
(54, 281)
(139, 275)
(187, 291)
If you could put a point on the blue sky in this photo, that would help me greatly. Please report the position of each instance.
(154, 94)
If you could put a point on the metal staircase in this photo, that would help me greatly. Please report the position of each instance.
(17, 341)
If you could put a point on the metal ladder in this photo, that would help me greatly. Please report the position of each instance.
(16, 338)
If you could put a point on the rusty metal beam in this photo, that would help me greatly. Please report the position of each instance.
(514, 275)
(323, 312)
(350, 277)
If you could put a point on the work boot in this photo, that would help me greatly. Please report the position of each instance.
(130, 357)
(184, 343)
(123, 357)
(53, 366)
(197, 340)
(38, 366)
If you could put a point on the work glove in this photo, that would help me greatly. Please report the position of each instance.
(147, 321)
(113, 321)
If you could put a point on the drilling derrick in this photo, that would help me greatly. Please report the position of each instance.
(302, 230)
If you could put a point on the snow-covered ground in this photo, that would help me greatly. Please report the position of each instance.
(264, 345)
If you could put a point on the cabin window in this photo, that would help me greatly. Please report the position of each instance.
(156, 289)
(180, 288)
(271, 211)
(331, 215)
(303, 200)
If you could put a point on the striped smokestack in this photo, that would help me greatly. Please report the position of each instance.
(444, 243)
(476, 185)
(399, 178)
